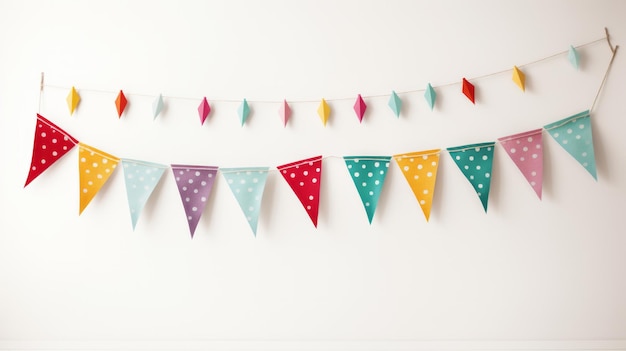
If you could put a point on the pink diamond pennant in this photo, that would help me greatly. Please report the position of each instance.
(359, 108)
(284, 112)
(203, 110)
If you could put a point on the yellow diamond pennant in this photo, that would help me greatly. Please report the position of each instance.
(420, 170)
(72, 100)
(519, 78)
(95, 167)
(323, 111)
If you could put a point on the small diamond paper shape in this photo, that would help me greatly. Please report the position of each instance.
(468, 90)
(519, 78)
(203, 110)
(120, 103)
(573, 57)
(243, 111)
(284, 111)
(323, 111)
(72, 100)
(395, 103)
(359, 108)
(431, 96)
(157, 106)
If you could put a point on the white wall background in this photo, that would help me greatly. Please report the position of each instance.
(539, 274)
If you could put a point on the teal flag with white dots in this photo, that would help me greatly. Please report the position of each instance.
(368, 174)
(247, 184)
(574, 135)
(476, 161)
(141, 178)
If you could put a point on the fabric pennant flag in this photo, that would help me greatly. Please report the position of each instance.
(141, 178)
(476, 161)
(49, 145)
(368, 174)
(203, 110)
(247, 184)
(359, 108)
(94, 167)
(304, 177)
(157, 106)
(194, 185)
(420, 170)
(72, 100)
(526, 151)
(574, 135)
(395, 103)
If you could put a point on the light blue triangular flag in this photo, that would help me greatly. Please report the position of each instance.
(573, 57)
(157, 106)
(141, 178)
(395, 103)
(431, 96)
(243, 111)
(368, 174)
(574, 135)
(247, 184)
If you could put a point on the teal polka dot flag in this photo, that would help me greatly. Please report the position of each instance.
(475, 161)
(247, 184)
(574, 135)
(141, 178)
(368, 174)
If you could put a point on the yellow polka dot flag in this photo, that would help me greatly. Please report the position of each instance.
(420, 170)
(95, 167)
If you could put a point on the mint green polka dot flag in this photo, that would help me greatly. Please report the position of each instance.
(368, 174)
(247, 184)
(141, 178)
(475, 161)
(574, 135)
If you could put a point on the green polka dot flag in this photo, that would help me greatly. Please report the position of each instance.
(475, 161)
(247, 185)
(368, 174)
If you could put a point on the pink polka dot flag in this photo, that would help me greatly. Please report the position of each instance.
(194, 185)
(526, 151)
(304, 178)
(50, 144)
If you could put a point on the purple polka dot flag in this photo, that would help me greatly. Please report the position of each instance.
(194, 185)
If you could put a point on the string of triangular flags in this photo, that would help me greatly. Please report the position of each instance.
(368, 172)
(324, 109)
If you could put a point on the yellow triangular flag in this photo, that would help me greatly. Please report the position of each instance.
(72, 100)
(519, 78)
(420, 171)
(95, 167)
(323, 111)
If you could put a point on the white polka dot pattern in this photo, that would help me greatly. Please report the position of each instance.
(141, 178)
(247, 185)
(94, 169)
(526, 151)
(304, 177)
(194, 185)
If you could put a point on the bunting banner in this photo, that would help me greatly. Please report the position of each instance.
(194, 185)
(574, 135)
(141, 178)
(304, 177)
(368, 174)
(49, 145)
(247, 185)
(475, 161)
(526, 151)
(420, 170)
(94, 167)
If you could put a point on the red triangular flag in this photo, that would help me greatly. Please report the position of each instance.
(304, 177)
(50, 144)
(468, 90)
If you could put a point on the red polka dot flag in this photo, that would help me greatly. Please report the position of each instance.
(304, 178)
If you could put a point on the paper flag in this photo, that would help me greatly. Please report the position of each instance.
(519, 78)
(573, 57)
(194, 185)
(247, 184)
(420, 170)
(157, 106)
(359, 108)
(475, 161)
(120, 103)
(284, 112)
(526, 151)
(304, 177)
(323, 111)
(203, 110)
(141, 178)
(574, 135)
(468, 90)
(72, 100)
(94, 167)
(49, 145)
(431, 96)
(395, 103)
(368, 174)
(243, 111)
